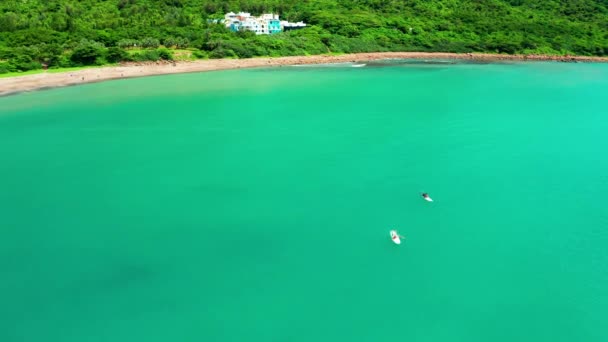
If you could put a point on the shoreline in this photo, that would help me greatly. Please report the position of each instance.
(46, 80)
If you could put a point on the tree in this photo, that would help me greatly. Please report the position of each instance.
(165, 54)
(50, 54)
(150, 42)
(170, 42)
(87, 53)
(116, 54)
(182, 43)
(507, 26)
(8, 22)
(24, 63)
(127, 43)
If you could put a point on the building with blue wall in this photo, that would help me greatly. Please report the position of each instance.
(268, 23)
(274, 26)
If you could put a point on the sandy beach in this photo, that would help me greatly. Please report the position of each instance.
(13, 85)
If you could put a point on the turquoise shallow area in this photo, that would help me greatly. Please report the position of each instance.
(255, 205)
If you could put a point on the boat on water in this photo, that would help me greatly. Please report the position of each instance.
(395, 237)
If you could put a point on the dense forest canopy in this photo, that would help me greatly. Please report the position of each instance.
(61, 33)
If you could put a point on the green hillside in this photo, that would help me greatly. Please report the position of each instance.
(65, 33)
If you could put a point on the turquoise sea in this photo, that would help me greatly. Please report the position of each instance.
(255, 205)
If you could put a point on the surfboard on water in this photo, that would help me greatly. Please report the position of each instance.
(427, 197)
(395, 237)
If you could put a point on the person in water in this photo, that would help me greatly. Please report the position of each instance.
(425, 195)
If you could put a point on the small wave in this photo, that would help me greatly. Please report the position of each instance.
(320, 65)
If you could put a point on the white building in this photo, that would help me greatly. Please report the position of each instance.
(269, 16)
(287, 26)
(253, 24)
(267, 23)
(231, 16)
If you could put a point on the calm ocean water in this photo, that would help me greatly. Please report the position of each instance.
(255, 205)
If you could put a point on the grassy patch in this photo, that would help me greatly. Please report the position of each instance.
(23, 73)
(50, 71)
(182, 55)
(178, 54)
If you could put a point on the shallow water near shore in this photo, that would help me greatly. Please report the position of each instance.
(255, 205)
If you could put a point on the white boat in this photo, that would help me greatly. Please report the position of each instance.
(395, 237)
(427, 197)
